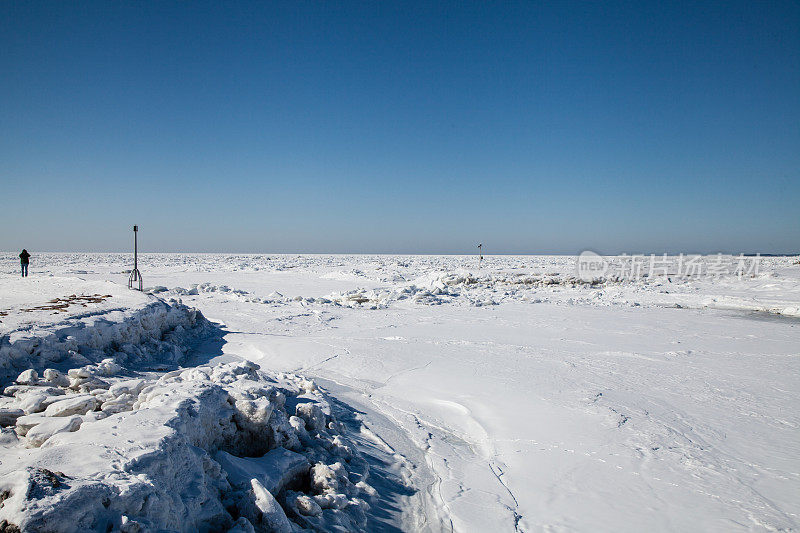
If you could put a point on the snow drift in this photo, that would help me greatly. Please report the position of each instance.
(206, 448)
(97, 321)
(96, 436)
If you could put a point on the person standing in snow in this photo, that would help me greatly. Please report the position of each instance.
(24, 259)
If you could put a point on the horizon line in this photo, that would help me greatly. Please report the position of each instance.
(554, 254)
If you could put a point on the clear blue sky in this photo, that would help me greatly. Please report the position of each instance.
(400, 127)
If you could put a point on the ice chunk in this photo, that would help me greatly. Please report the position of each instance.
(77, 405)
(330, 479)
(156, 289)
(28, 377)
(9, 415)
(331, 501)
(274, 470)
(271, 513)
(27, 422)
(312, 414)
(108, 367)
(124, 402)
(82, 372)
(32, 402)
(7, 437)
(18, 391)
(88, 384)
(56, 378)
(130, 386)
(49, 427)
(306, 505)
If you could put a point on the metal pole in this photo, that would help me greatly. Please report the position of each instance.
(136, 277)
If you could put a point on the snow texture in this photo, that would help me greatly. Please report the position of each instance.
(418, 393)
(115, 445)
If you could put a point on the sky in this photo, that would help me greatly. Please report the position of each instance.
(400, 127)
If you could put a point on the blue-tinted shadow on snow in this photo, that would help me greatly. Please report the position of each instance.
(386, 506)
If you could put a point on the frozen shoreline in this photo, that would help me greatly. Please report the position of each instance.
(103, 431)
(516, 398)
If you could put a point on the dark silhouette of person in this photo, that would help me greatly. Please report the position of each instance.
(24, 259)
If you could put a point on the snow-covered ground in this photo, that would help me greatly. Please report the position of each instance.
(506, 395)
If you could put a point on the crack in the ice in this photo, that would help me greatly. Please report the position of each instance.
(499, 476)
(405, 371)
(315, 365)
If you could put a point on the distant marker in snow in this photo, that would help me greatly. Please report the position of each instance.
(136, 276)
(480, 254)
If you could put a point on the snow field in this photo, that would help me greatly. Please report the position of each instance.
(510, 395)
(121, 444)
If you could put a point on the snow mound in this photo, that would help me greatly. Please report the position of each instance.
(89, 326)
(456, 287)
(205, 448)
(97, 436)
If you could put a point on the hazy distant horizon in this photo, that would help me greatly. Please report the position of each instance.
(464, 254)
